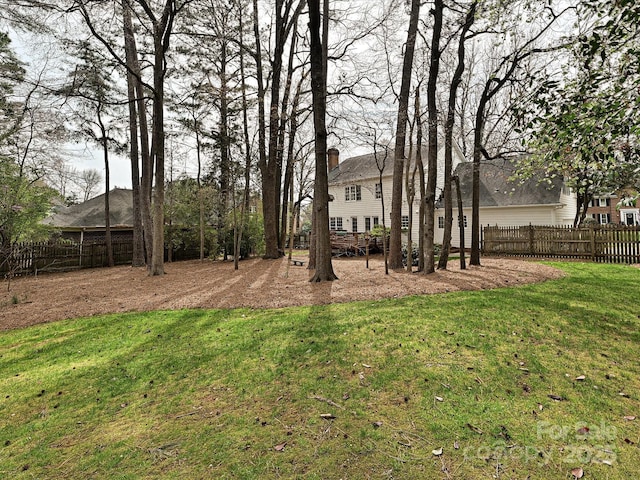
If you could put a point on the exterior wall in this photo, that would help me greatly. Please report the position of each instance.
(627, 215)
(504, 216)
(369, 206)
(568, 212)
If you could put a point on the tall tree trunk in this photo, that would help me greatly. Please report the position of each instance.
(463, 264)
(448, 139)
(104, 140)
(410, 188)
(247, 146)
(324, 268)
(395, 247)
(288, 176)
(138, 259)
(224, 151)
(281, 138)
(133, 64)
(432, 162)
(422, 186)
(161, 35)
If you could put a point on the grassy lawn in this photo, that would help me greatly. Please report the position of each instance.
(527, 382)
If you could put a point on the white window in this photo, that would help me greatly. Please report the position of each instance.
(404, 222)
(352, 193)
(603, 202)
(376, 221)
(253, 209)
(335, 223)
(354, 224)
(440, 222)
(378, 190)
(604, 218)
(464, 219)
(367, 224)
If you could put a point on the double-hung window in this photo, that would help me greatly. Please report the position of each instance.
(352, 193)
(378, 190)
(335, 223)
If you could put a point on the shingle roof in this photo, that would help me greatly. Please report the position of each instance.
(498, 188)
(363, 167)
(91, 212)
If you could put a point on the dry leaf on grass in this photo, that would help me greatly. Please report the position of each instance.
(577, 472)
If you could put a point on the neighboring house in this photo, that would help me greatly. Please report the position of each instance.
(505, 201)
(613, 208)
(356, 193)
(85, 222)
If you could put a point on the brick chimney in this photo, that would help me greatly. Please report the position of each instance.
(333, 155)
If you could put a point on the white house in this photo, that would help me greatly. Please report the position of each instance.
(356, 192)
(508, 201)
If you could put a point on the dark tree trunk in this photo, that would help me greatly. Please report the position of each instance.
(224, 151)
(395, 247)
(161, 36)
(448, 138)
(247, 146)
(463, 263)
(422, 187)
(138, 259)
(432, 162)
(324, 268)
(288, 175)
(104, 140)
(146, 182)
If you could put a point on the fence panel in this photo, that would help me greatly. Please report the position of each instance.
(35, 257)
(602, 243)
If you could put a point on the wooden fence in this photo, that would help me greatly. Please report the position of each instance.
(35, 257)
(599, 243)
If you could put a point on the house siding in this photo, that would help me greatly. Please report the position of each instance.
(504, 217)
(369, 206)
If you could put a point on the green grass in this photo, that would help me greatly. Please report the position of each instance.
(211, 394)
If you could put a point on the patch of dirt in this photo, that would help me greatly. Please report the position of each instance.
(257, 284)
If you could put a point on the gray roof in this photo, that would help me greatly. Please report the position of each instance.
(90, 214)
(365, 167)
(498, 188)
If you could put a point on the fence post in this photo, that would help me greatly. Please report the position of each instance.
(592, 233)
(531, 239)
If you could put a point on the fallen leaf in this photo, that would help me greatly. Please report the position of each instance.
(580, 377)
(280, 447)
(440, 399)
(437, 452)
(629, 418)
(577, 472)
(583, 431)
(366, 366)
(607, 462)
(377, 424)
(557, 398)
(474, 429)
(629, 442)
(622, 394)
(328, 416)
(456, 445)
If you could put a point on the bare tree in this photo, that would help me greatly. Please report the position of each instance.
(448, 136)
(88, 181)
(432, 154)
(395, 247)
